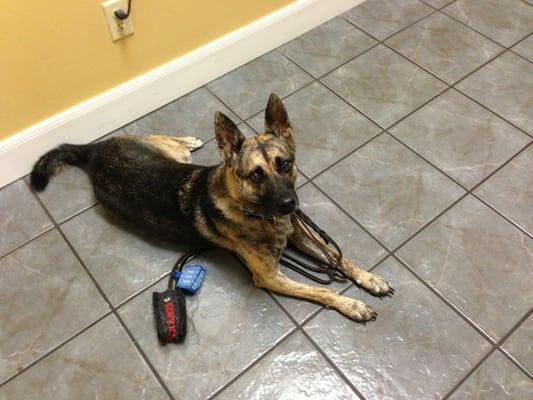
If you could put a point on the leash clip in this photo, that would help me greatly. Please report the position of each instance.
(190, 278)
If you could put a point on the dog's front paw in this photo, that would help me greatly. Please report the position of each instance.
(357, 310)
(374, 284)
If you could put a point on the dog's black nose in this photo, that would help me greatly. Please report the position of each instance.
(288, 206)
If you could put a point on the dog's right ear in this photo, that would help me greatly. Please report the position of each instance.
(277, 120)
(229, 137)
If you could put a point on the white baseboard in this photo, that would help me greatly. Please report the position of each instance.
(102, 114)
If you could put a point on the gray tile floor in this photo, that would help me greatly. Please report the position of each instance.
(414, 123)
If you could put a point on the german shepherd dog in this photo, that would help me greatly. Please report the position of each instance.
(243, 204)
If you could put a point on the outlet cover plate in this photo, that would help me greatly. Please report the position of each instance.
(118, 29)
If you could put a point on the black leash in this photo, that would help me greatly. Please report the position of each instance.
(170, 308)
(330, 268)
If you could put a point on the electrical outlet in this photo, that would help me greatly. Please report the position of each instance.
(118, 29)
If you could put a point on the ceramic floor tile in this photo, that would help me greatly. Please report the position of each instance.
(247, 88)
(68, 192)
(294, 370)
(496, 379)
(21, 216)
(520, 344)
(389, 189)
(510, 190)
(505, 85)
(355, 243)
(190, 115)
(506, 21)
(382, 18)
(445, 47)
(437, 3)
(327, 46)
(525, 48)
(417, 349)
(101, 363)
(230, 324)
(325, 127)
(460, 137)
(121, 258)
(383, 85)
(478, 261)
(45, 297)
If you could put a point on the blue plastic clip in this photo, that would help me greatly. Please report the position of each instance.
(190, 278)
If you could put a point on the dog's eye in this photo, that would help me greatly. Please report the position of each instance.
(257, 176)
(286, 165)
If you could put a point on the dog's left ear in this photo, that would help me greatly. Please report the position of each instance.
(277, 120)
(229, 137)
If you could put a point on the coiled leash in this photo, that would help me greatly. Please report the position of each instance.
(170, 306)
(330, 266)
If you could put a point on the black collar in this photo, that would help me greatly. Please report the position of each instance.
(257, 214)
(253, 213)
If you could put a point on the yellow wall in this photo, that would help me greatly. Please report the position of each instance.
(56, 53)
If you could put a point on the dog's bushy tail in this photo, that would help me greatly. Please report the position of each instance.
(50, 162)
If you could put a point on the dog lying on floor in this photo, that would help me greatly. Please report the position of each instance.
(243, 204)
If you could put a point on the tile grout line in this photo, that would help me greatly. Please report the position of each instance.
(333, 365)
(484, 358)
(114, 311)
(244, 119)
(488, 37)
(319, 349)
(507, 354)
(441, 10)
(57, 347)
(492, 111)
(297, 327)
(392, 252)
(293, 331)
(443, 298)
(435, 7)
(250, 366)
(435, 75)
(337, 66)
(449, 86)
(317, 79)
(495, 344)
(470, 191)
(28, 241)
(501, 214)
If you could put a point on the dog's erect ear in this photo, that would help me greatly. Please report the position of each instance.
(276, 119)
(229, 137)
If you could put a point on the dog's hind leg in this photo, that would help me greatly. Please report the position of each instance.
(177, 148)
(191, 142)
(372, 283)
